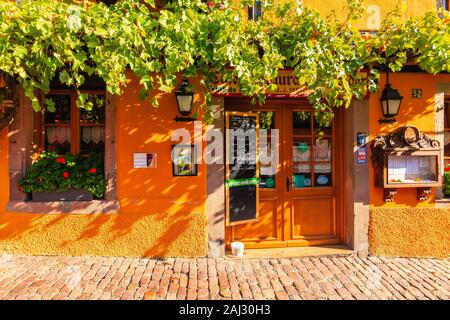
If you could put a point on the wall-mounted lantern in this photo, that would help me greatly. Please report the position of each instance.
(390, 102)
(185, 99)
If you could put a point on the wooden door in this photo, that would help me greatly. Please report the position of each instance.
(312, 161)
(301, 203)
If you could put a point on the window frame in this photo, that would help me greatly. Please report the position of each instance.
(23, 134)
(446, 129)
(75, 125)
(253, 13)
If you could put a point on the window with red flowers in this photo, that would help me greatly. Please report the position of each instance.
(70, 129)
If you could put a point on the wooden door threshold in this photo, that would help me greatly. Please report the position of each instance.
(294, 252)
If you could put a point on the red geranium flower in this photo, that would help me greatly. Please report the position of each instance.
(66, 175)
(93, 170)
(447, 169)
(61, 160)
(211, 4)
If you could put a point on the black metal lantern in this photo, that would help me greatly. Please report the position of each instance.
(185, 100)
(390, 102)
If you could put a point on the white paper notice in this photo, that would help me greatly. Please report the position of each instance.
(140, 160)
(412, 167)
(396, 168)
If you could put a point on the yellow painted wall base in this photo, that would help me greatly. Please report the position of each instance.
(410, 232)
(124, 235)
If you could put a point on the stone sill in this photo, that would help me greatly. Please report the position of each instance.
(58, 207)
(443, 203)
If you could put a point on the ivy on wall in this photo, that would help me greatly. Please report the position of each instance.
(42, 40)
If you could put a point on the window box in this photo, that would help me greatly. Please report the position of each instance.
(65, 178)
(69, 195)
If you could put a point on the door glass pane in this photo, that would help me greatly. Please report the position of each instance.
(311, 151)
(57, 125)
(301, 122)
(322, 174)
(322, 128)
(302, 175)
(302, 150)
(267, 165)
(322, 150)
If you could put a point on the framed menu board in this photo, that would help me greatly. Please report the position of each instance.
(242, 168)
(407, 158)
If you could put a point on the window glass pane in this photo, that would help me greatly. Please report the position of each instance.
(412, 169)
(256, 11)
(447, 143)
(97, 113)
(57, 125)
(62, 109)
(447, 116)
(57, 139)
(92, 140)
(447, 129)
(92, 121)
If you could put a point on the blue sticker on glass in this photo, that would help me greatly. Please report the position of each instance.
(322, 180)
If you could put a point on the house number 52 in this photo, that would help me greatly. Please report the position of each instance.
(417, 93)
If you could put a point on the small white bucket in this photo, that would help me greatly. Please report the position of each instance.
(237, 249)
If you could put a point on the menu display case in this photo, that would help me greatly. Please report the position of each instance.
(407, 158)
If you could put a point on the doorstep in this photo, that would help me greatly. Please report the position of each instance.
(294, 252)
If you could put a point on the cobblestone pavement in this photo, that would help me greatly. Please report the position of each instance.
(345, 277)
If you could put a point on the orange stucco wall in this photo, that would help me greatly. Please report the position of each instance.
(407, 227)
(416, 112)
(160, 215)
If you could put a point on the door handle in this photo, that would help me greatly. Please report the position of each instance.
(288, 184)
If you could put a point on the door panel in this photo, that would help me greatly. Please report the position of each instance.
(267, 226)
(313, 217)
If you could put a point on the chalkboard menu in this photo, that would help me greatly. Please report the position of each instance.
(242, 181)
